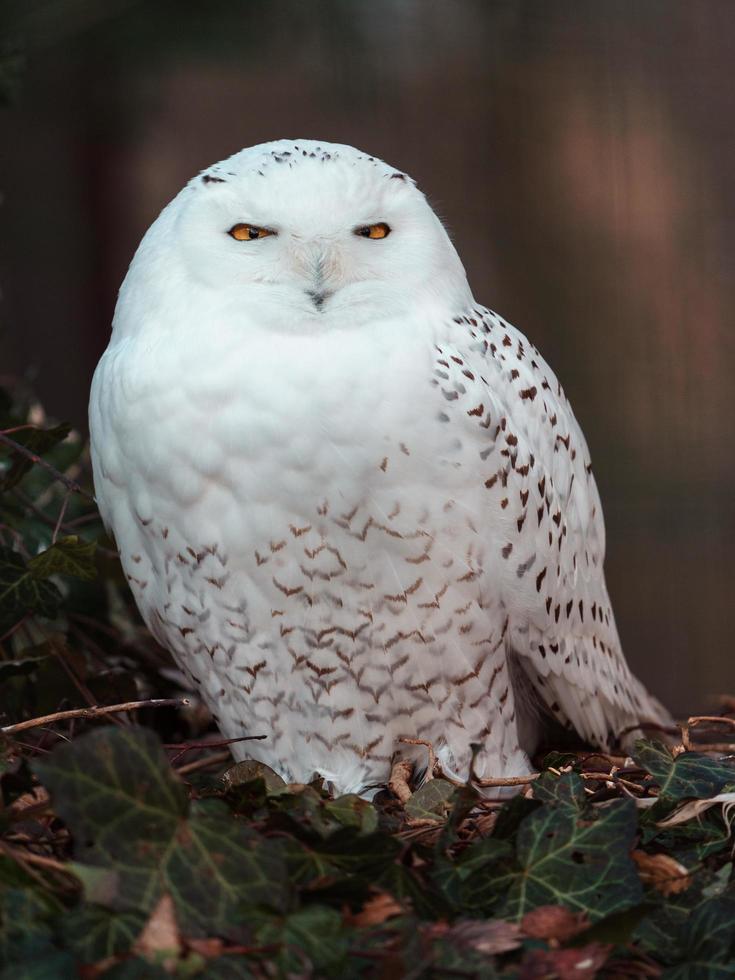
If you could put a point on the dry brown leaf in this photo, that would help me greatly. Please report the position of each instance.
(36, 797)
(581, 963)
(376, 910)
(206, 947)
(486, 937)
(161, 934)
(553, 922)
(687, 811)
(663, 872)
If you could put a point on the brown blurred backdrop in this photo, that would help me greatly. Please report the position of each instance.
(581, 153)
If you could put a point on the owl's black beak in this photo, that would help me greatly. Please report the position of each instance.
(318, 298)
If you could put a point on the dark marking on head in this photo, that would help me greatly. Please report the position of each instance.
(209, 179)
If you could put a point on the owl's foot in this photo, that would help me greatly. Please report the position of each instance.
(431, 769)
(398, 783)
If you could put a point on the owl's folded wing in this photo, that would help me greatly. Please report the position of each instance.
(548, 531)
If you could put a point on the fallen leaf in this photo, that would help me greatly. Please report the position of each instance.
(206, 947)
(376, 910)
(487, 937)
(553, 922)
(36, 797)
(161, 934)
(663, 872)
(582, 963)
(692, 809)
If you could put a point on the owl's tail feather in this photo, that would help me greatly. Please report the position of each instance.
(653, 719)
(604, 719)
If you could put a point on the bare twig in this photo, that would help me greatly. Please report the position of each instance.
(35, 458)
(703, 719)
(431, 768)
(185, 747)
(648, 726)
(724, 748)
(93, 712)
(29, 861)
(60, 519)
(506, 780)
(209, 760)
(18, 625)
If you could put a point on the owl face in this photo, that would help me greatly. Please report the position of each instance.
(310, 234)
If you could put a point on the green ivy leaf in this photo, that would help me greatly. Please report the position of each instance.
(129, 817)
(27, 917)
(67, 556)
(136, 968)
(19, 668)
(690, 774)
(567, 855)
(228, 968)
(51, 964)
(431, 801)
(352, 811)
(21, 592)
(95, 933)
(251, 771)
(38, 441)
(314, 933)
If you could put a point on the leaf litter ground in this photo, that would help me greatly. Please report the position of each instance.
(132, 847)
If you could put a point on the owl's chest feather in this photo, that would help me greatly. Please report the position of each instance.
(278, 414)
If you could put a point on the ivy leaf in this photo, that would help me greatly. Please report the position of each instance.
(228, 968)
(67, 556)
(21, 592)
(691, 928)
(95, 933)
(314, 932)
(431, 801)
(52, 964)
(38, 441)
(352, 811)
(690, 774)
(130, 819)
(567, 856)
(136, 968)
(468, 883)
(251, 771)
(19, 668)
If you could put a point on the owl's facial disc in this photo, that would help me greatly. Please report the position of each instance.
(317, 235)
(317, 254)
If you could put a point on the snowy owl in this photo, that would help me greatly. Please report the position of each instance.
(353, 503)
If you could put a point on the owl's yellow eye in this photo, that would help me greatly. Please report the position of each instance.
(247, 233)
(381, 230)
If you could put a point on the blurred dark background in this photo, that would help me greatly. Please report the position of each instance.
(581, 153)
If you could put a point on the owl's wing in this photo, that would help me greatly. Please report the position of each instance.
(546, 529)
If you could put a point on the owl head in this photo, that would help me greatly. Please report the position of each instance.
(302, 235)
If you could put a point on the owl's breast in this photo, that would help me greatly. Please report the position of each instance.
(235, 420)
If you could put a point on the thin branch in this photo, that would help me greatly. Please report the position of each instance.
(506, 780)
(29, 861)
(93, 712)
(185, 747)
(60, 519)
(431, 768)
(648, 726)
(13, 629)
(210, 760)
(698, 720)
(35, 458)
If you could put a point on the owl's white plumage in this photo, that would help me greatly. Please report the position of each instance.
(354, 504)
